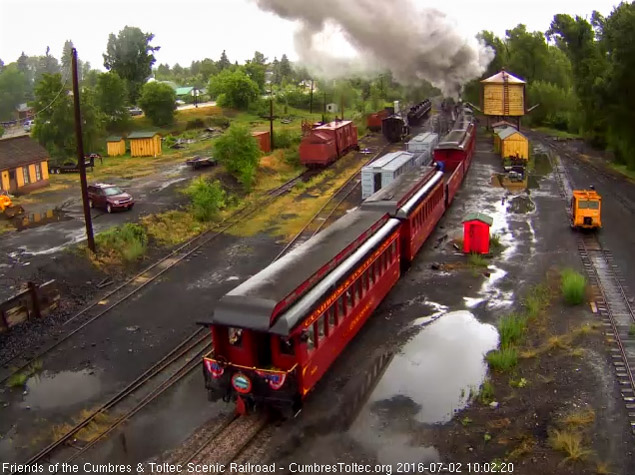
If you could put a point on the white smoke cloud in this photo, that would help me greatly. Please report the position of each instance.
(387, 34)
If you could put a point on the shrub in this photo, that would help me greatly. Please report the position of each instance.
(207, 198)
(573, 285)
(217, 121)
(486, 395)
(169, 140)
(128, 242)
(196, 123)
(502, 360)
(239, 152)
(286, 138)
(158, 103)
(511, 329)
(476, 260)
(569, 442)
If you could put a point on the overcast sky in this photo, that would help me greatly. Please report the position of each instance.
(189, 30)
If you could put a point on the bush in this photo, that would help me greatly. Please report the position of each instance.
(1, 131)
(169, 140)
(239, 152)
(207, 198)
(286, 138)
(502, 360)
(196, 123)
(573, 286)
(128, 242)
(217, 121)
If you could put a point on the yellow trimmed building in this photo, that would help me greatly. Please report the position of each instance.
(145, 144)
(503, 96)
(116, 146)
(23, 165)
(511, 143)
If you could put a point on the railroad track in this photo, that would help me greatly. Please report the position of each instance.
(611, 299)
(105, 303)
(178, 363)
(318, 221)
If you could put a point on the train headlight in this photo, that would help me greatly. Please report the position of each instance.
(241, 383)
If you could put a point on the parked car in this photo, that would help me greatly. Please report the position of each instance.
(28, 124)
(134, 111)
(109, 197)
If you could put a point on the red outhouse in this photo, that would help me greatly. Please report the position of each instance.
(476, 233)
(264, 140)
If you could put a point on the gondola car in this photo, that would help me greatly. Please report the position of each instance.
(394, 128)
(327, 143)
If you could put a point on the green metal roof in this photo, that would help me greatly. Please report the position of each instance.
(508, 131)
(479, 217)
(114, 138)
(143, 134)
(183, 91)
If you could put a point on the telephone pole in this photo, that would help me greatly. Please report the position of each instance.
(271, 118)
(80, 155)
(311, 104)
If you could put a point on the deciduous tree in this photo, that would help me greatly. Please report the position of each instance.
(158, 103)
(111, 97)
(239, 152)
(130, 55)
(233, 89)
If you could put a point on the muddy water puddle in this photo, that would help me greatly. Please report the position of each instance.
(521, 205)
(51, 390)
(426, 383)
(34, 220)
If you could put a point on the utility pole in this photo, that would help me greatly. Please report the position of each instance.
(80, 155)
(271, 119)
(342, 105)
(324, 106)
(311, 105)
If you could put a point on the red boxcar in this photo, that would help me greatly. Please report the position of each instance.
(373, 121)
(328, 142)
(264, 140)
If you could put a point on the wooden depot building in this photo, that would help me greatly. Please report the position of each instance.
(23, 165)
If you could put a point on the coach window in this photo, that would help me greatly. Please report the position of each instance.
(286, 346)
(308, 336)
(358, 288)
(341, 312)
(321, 328)
(235, 336)
(349, 298)
(331, 317)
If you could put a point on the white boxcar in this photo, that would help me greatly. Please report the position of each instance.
(396, 167)
(422, 145)
(371, 174)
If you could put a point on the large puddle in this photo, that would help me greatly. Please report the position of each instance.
(426, 383)
(50, 390)
(34, 220)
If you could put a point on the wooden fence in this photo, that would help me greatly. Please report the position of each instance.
(32, 303)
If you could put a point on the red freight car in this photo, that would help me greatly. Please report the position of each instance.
(373, 121)
(327, 143)
(417, 200)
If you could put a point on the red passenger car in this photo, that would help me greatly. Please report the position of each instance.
(417, 200)
(327, 143)
(277, 333)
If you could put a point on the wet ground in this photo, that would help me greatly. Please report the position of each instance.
(437, 326)
(102, 358)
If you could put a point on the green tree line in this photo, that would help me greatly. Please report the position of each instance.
(581, 73)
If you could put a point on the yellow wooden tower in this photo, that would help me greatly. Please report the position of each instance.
(503, 98)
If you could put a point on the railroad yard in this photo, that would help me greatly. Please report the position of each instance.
(415, 259)
(407, 390)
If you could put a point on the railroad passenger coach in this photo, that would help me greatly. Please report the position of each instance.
(276, 334)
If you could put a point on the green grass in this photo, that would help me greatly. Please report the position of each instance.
(486, 394)
(121, 244)
(502, 360)
(573, 286)
(536, 300)
(511, 328)
(20, 378)
(624, 170)
(557, 133)
(495, 243)
(477, 260)
(631, 329)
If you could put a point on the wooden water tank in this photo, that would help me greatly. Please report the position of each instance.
(503, 95)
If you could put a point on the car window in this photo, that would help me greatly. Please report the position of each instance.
(113, 190)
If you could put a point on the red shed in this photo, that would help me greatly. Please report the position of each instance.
(264, 140)
(476, 233)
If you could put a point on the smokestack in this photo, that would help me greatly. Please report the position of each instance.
(413, 44)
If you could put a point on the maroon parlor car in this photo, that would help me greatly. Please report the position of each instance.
(109, 197)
